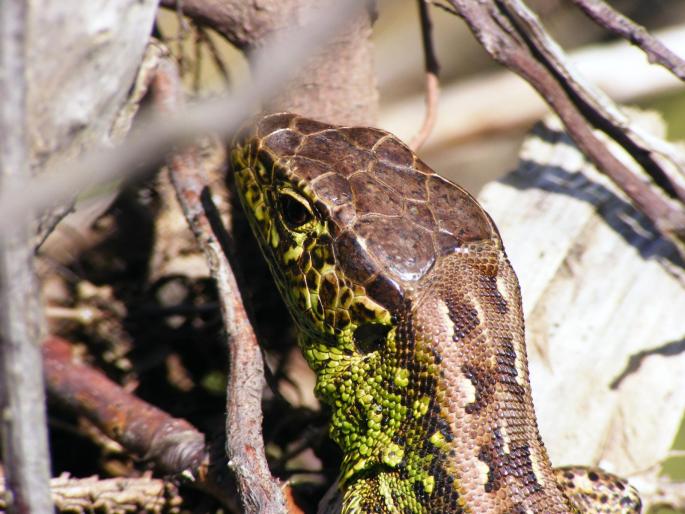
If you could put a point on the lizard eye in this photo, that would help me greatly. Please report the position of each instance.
(295, 211)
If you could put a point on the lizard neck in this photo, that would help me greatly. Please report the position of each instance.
(455, 429)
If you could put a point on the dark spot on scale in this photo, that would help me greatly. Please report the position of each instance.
(569, 475)
(506, 366)
(370, 337)
(483, 382)
(266, 159)
(464, 317)
(419, 490)
(359, 311)
(516, 464)
(593, 476)
(312, 277)
(328, 290)
(318, 257)
(346, 296)
(444, 428)
(492, 294)
(330, 318)
(492, 484)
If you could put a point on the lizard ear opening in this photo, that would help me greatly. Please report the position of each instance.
(370, 337)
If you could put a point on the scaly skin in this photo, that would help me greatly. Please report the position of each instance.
(410, 315)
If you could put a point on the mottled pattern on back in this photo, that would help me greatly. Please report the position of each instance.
(410, 315)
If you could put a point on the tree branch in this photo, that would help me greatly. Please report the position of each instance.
(512, 35)
(174, 445)
(22, 401)
(259, 491)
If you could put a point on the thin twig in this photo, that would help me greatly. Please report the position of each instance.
(22, 402)
(447, 8)
(606, 16)
(260, 492)
(432, 83)
(206, 38)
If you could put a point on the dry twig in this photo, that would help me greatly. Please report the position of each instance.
(114, 495)
(432, 82)
(606, 16)
(173, 445)
(260, 492)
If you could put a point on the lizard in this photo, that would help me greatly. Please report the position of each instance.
(409, 313)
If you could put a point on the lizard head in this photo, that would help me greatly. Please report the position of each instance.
(352, 223)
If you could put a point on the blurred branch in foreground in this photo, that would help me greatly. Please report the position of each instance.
(272, 66)
(25, 453)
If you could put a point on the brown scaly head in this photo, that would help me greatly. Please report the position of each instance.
(409, 314)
